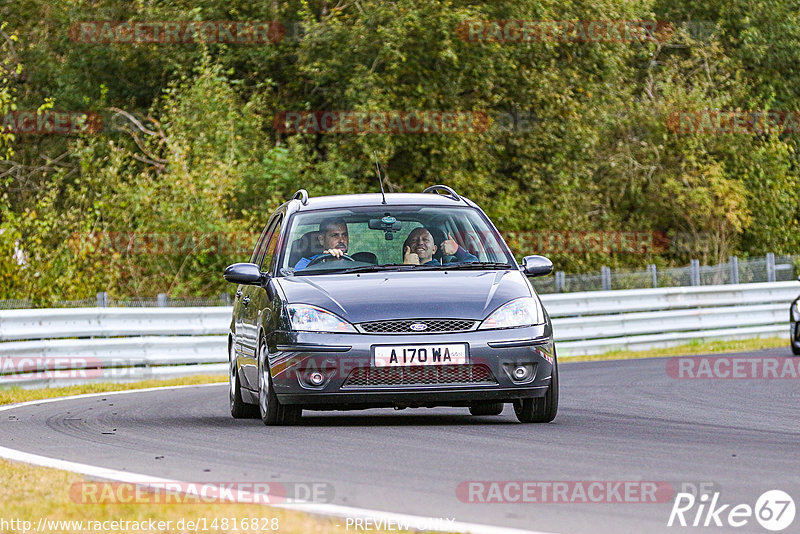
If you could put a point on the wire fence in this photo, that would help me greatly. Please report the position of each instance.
(770, 268)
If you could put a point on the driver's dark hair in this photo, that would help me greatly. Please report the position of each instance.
(323, 226)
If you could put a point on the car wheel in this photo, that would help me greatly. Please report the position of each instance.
(796, 349)
(271, 411)
(239, 408)
(542, 409)
(486, 408)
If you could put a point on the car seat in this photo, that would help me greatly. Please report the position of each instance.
(305, 246)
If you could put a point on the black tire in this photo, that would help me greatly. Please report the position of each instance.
(239, 408)
(796, 349)
(271, 411)
(486, 408)
(542, 409)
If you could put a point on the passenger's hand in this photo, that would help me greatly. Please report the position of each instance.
(410, 258)
(449, 245)
(335, 252)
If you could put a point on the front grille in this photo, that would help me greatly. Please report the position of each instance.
(403, 326)
(420, 375)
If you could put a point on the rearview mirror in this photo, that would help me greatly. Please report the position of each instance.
(536, 265)
(244, 273)
(387, 224)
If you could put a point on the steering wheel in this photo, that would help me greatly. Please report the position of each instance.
(323, 257)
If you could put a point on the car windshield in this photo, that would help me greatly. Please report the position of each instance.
(391, 238)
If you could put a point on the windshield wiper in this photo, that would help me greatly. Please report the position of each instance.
(388, 267)
(479, 265)
(406, 267)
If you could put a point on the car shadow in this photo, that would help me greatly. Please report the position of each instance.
(311, 418)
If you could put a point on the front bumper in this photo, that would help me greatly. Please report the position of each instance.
(492, 355)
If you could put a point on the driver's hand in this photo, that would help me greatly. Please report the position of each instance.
(410, 258)
(335, 252)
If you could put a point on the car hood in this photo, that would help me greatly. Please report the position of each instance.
(407, 295)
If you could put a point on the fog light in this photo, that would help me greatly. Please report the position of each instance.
(520, 372)
(316, 378)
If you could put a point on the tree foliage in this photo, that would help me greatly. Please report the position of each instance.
(579, 137)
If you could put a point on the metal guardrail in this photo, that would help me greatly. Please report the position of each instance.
(135, 343)
(641, 319)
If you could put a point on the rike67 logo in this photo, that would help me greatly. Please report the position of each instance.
(774, 510)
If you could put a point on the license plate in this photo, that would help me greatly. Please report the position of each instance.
(405, 355)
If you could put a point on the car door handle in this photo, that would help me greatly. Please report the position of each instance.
(246, 301)
(238, 293)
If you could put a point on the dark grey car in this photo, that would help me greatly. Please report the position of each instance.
(408, 300)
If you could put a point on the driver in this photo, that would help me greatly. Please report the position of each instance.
(333, 238)
(419, 248)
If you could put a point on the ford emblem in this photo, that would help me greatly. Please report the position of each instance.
(419, 327)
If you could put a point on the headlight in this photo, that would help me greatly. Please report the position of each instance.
(312, 319)
(521, 312)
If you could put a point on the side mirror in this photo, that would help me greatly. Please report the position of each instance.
(244, 273)
(536, 265)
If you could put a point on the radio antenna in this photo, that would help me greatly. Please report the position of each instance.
(380, 180)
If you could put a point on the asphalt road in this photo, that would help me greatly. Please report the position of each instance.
(618, 421)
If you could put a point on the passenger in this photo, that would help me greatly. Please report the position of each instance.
(419, 249)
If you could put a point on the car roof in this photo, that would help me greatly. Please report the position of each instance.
(375, 199)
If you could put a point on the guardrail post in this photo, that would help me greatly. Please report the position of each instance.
(605, 277)
(102, 299)
(162, 300)
(560, 285)
(651, 268)
(770, 267)
(694, 272)
(733, 263)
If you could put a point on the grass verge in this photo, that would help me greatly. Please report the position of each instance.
(693, 348)
(33, 494)
(16, 394)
